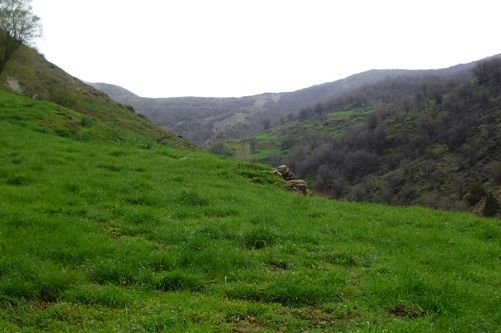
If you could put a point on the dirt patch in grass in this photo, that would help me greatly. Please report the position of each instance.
(400, 310)
(318, 316)
(244, 323)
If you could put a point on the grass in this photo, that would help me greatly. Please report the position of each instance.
(103, 235)
(42, 80)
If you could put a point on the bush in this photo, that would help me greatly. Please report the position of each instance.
(475, 194)
(491, 207)
(87, 122)
(220, 148)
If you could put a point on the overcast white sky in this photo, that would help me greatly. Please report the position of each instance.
(166, 48)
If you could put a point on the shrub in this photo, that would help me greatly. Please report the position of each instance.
(87, 122)
(491, 206)
(475, 194)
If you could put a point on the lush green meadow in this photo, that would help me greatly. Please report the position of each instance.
(109, 232)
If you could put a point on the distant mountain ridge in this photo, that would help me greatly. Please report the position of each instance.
(205, 120)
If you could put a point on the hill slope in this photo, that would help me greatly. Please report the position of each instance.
(432, 147)
(205, 120)
(30, 74)
(274, 146)
(99, 235)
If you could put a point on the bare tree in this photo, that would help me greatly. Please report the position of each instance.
(18, 26)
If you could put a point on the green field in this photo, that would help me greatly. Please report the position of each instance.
(107, 231)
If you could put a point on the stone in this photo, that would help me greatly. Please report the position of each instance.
(297, 185)
(284, 172)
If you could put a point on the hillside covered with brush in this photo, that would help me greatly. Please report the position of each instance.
(207, 120)
(99, 235)
(436, 147)
(428, 140)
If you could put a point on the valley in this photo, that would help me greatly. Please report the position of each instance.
(120, 213)
(100, 235)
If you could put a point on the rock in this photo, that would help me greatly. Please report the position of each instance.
(282, 168)
(297, 185)
(284, 172)
(487, 206)
(293, 184)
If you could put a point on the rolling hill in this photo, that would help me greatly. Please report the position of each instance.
(100, 235)
(206, 120)
(415, 140)
(108, 223)
(28, 73)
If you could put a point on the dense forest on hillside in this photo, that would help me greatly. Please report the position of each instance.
(431, 141)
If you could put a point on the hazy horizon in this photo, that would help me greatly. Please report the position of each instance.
(231, 49)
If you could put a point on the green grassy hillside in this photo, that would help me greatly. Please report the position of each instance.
(106, 235)
(29, 74)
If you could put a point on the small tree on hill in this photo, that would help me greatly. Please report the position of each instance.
(18, 26)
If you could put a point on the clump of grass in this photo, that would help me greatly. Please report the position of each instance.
(260, 237)
(217, 231)
(289, 290)
(87, 121)
(145, 216)
(214, 257)
(142, 198)
(192, 198)
(48, 284)
(220, 212)
(178, 281)
(115, 272)
(418, 291)
(112, 167)
(107, 295)
(342, 258)
(293, 290)
(19, 180)
(246, 292)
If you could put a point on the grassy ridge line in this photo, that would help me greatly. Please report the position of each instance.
(100, 236)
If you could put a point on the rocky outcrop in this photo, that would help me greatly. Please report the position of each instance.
(297, 185)
(293, 184)
(284, 172)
